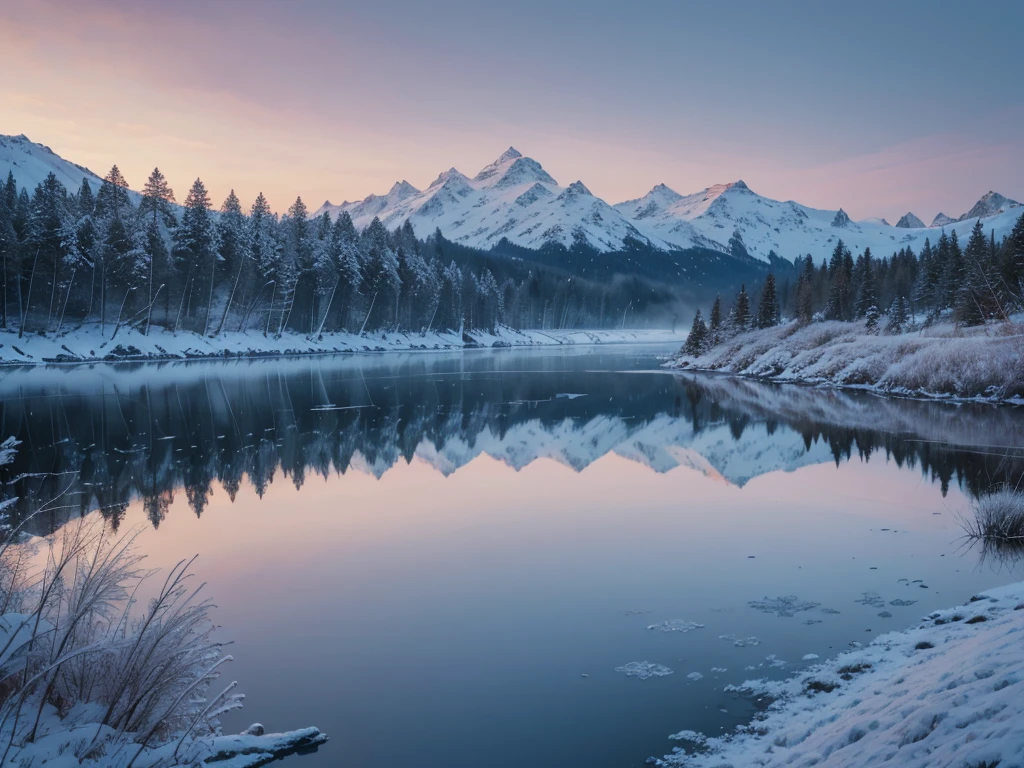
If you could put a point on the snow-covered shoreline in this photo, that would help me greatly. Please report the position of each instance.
(88, 345)
(944, 693)
(943, 362)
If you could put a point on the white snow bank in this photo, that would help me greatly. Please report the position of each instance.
(88, 344)
(949, 692)
(986, 362)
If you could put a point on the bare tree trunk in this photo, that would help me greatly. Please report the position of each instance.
(149, 309)
(231, 297)
(270, 309)
(67, 296)
(28, 300)
(209, 304)
(365, 319)
(117, 325)
(320, 330)
(181, 305)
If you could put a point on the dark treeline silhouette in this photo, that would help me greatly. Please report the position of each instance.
(979, 282)
(149, 436)
(114, 258)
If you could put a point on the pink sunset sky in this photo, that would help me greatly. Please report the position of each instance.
(878, 110)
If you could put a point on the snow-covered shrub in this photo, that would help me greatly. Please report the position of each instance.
(998, 523)
(76, 651)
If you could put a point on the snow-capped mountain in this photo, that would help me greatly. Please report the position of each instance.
(787, 228)
(990, 204)
(909, 221)
(31, 163)
(513, 197)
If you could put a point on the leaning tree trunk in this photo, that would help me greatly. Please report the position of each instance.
(28, 299)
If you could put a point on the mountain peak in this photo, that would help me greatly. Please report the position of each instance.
(740, 185)
(509, 154)
(909, 221)
(841, 219)
(402, 189)
(990, 204)
(942, 220)
(444, 176)
(578, 188)
(522, 170)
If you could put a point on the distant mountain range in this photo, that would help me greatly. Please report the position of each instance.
(514, 200)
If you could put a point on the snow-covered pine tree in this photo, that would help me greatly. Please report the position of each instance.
(381, 282)
(868, 295)
(195, 251)
(232, 233)
(768, 309)
(898, 316)
(696, 342)
(715, 330)
(739, 319)
(975, 296)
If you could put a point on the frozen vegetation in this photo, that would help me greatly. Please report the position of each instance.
(945, 360)
(945, 693)
(91, 677)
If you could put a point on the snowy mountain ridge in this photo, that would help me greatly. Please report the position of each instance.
(515, 198)
(31, 162)
(512, 197)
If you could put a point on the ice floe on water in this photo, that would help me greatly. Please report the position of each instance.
(810, 656)
(719, 669)
(871, 599)
(830, 611)
(695, 676)
(643, 670)
(740, 642)
(675, 625)
(902, 603)
(786, 606)
(636, 613)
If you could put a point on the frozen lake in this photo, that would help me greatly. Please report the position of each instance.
(453, 560)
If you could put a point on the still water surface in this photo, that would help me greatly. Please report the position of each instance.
(441, 560)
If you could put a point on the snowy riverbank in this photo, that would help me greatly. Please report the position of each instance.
(89, 345)
(985, 362)
(945, 693)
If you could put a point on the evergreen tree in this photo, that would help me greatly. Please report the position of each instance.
(972, 296)
(740, 318)
(868, 296)
(1012, 266)
(898, 316)
(158, 199)
(196, 253)
(715, 325)
(697, 340)
(768, 309)
(805, 292)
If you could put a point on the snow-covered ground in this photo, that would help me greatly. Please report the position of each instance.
(945, 693)
(986, 362)
(87, 344)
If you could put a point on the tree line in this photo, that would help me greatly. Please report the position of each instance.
(115, 258)
(968, 285)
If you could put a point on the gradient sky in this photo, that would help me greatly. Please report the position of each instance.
(875, 107)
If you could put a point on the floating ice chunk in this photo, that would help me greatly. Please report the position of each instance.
(884, 615)
(676, 625)
(643, 670)
(695, 676)
(872, 600)
(811, 622)
(636, 613)
(570, 395)
(740, 642)
(810, 656)
(830, 611)
(693, 736)
(786, 606)
(775, 662)
(902, 603)
(719, 669)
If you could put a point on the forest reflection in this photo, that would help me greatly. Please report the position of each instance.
(149, 432)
